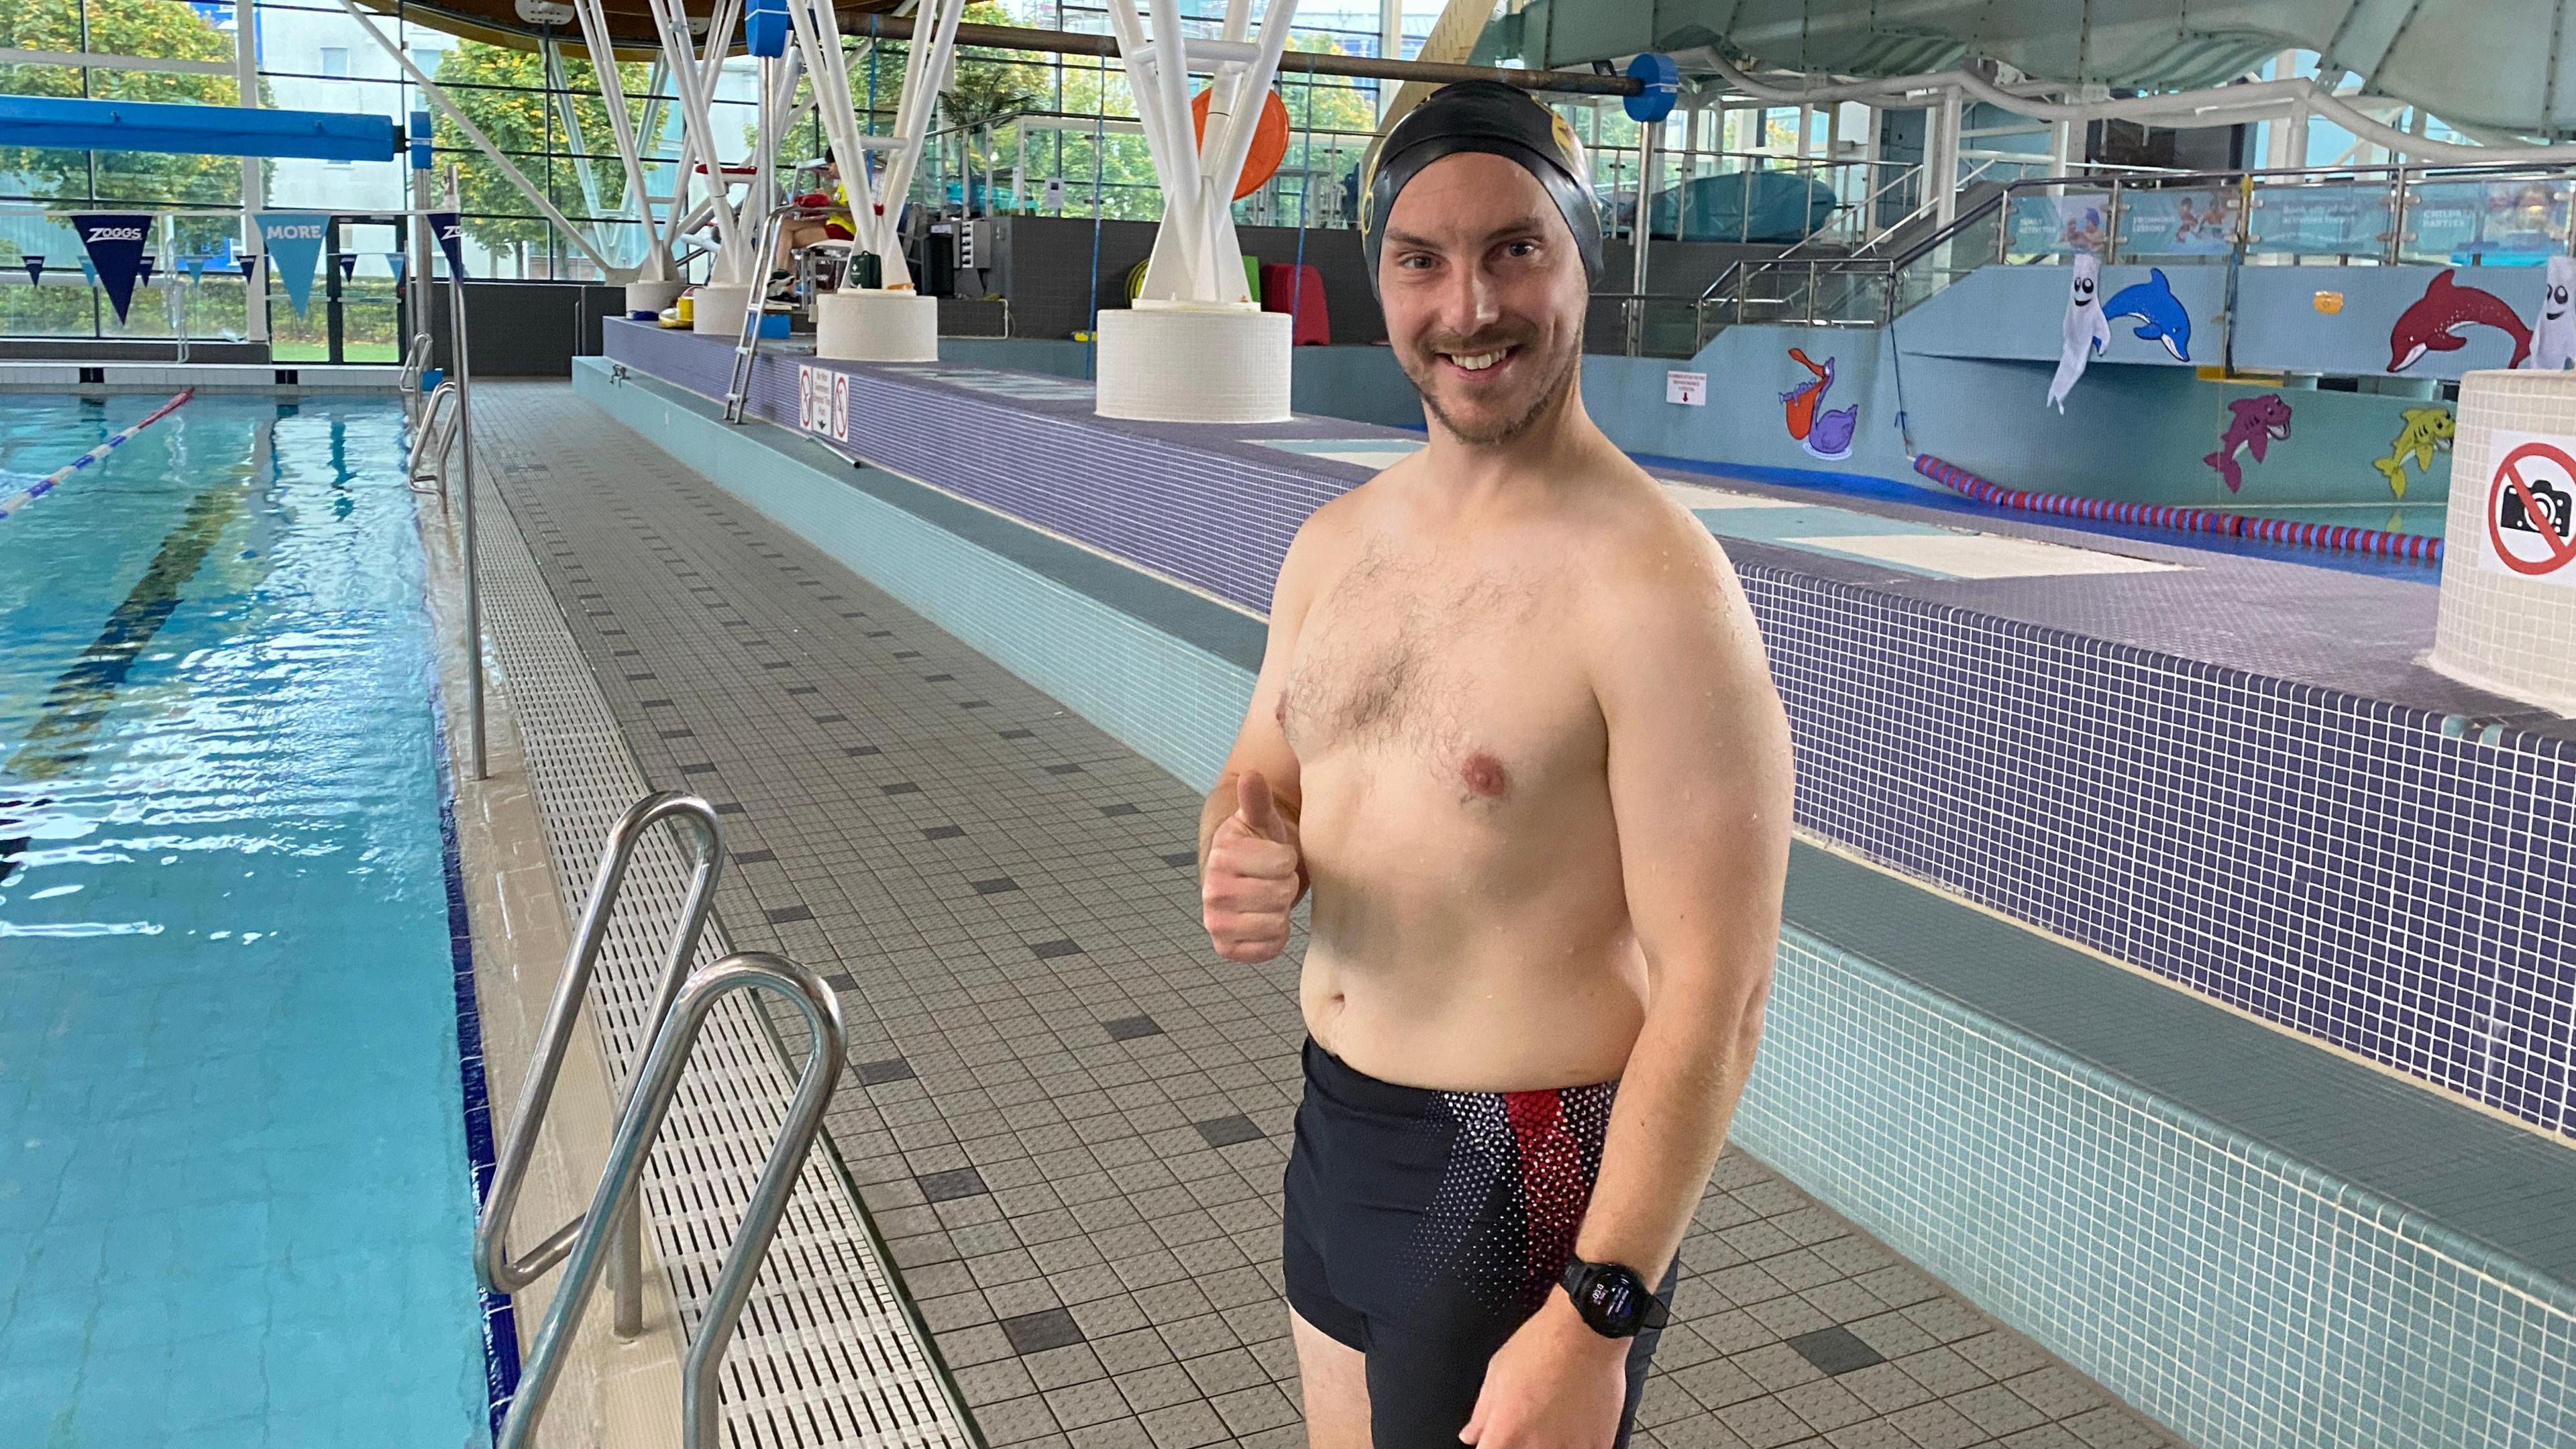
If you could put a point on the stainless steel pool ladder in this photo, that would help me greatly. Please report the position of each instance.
(493, 1263)
(433, 440)
(415, 365)
(746, 345)
(646, 1105)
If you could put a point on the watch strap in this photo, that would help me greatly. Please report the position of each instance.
(1582, 1281)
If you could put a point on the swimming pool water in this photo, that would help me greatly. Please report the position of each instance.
(235, 1206)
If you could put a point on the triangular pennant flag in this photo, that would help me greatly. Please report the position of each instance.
(246, 263)
(394, 264)
(445, 226)
(89, 272)
(293, 241)
(196, 267)
(348, 265)
(115, 247)
(143, 269)
(35, 264)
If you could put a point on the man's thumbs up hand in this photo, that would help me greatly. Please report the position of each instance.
(1252, 877)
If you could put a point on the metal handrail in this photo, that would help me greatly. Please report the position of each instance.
(415, 366)
(493, 1263)
(2402, 177)
(646, 1106)
(461, 376)
(434, 436)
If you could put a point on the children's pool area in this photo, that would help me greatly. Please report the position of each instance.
(236, 1202)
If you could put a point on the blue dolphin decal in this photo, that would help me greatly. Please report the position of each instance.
(2159, 313)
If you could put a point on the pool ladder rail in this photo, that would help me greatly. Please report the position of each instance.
(746, 346)
(609, 1233)
(433, 440)
(415, 366)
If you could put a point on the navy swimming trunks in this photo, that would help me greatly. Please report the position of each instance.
(1422, 1228)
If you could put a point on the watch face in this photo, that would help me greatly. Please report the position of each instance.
(1613, 1301)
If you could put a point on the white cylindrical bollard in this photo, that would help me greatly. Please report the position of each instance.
(1178, 362)
(652, 297)
(719, 310)
(872, 325)
(2507, 618)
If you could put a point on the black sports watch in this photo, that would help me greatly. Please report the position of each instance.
(1612, 1298)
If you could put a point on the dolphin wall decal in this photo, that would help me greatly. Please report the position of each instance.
(2160, 313)
(2254, 424)
(2432, 323)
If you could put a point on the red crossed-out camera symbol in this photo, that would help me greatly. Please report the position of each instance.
(2529, 511)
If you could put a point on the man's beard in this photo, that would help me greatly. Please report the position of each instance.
(1497, 434)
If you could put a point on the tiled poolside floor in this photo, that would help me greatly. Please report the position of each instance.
(1066, 1114)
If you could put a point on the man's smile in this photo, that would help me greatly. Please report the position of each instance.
(1478, 363)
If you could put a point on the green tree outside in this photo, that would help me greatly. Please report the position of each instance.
(503, 91)
(121, 179)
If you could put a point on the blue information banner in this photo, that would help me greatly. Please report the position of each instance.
(293, 241)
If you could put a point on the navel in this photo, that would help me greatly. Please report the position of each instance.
(1484, 775)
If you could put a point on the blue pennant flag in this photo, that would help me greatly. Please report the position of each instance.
(394, 264)
(348, 265)
(293, 241)
(447, 227)
(143, 270)
(35, 264)
(115, 247)
(196, 268)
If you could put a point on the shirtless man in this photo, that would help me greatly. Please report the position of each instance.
(1515, 731)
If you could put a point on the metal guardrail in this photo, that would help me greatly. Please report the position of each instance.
(415, 366)
(1823, 291)
(433, 435)
(647, 1104)
(461, 377)
(493, 1263)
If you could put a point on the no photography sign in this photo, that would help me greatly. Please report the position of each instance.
(2531, 509)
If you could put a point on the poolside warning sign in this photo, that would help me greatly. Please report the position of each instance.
(823, 401)
(2531, 509)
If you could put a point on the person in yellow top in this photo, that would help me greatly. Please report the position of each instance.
(798, 232)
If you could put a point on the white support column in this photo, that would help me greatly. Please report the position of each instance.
(1941, 157)
(1196, 347)
(890, 322)
(657, 271)
(254, 185)
(1390, 46)
(925, 72)
(692, 83)
(559, 95)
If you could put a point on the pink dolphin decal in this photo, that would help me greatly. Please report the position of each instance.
(2255, 424)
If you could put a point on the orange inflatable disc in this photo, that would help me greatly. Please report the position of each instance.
(1269, 140)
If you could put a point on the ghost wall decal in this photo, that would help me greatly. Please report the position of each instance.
(2553, 332)
(2086, 332)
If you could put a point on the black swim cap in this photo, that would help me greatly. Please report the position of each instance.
(1484, 116)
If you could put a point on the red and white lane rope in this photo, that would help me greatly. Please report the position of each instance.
(2345, 538)
(42, 486)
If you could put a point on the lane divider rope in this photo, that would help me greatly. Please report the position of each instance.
(2345, 538)
(42, 486)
